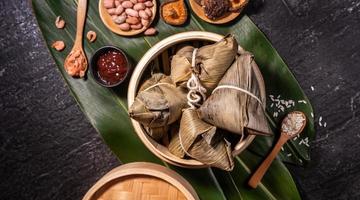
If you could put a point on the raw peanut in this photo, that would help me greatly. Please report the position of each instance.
(58, 45)
(134, 1)
(148, 12)
(141, 1)
(113, 17)
(112, 11)
(139, 6)
(131, 12)
(124, 27)
(127, 4)
(119, 10)
(143, 14)
(136, 27)
(132, 20)
(91, 36)
(109, 3)
(121, 19)
(117, 3)
(150, 31)
(145, 22)
(59, 23)
(149, 4)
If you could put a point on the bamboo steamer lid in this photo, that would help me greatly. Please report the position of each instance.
(141, 180)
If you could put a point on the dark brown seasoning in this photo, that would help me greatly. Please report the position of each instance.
(215, 9)
(112, 67)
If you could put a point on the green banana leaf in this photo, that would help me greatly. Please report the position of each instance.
(106, 109)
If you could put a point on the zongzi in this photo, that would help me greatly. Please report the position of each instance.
(158, 105)
(211, 61)
(201, 141)
(238, 102)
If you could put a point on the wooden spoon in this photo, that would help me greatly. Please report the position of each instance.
(292, 125)
(76, 62)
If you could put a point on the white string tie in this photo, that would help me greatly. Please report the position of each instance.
(197, 93)
(158, 84)
(238, 89)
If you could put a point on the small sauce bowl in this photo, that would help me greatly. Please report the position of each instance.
(109, 66)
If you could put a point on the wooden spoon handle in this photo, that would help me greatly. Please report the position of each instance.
(259, 173)
(80, 21)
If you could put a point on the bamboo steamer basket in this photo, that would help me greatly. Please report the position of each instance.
(156, 51)
(141, 180)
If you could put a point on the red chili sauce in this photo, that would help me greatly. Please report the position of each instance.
(112, 67)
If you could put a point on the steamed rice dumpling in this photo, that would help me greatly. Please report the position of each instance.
(212, 62)
(234, 109)
(155, 79)
(200, 141)
(175, 146)
(157, 133)
(158, 105)
(190, 128)
(216, 154)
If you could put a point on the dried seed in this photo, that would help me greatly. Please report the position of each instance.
(119, 10)
(112, 11)
(136, 26)
(60, 23)
(121, 19)
(149, 4)
(150, 31)
(58, 45)
(132, 12)
(91, 36)
(124, 27)
(139, 6)
(148, 12)
(145, 22)
(132, 20)
(113, 17)
(117, 3)
(109, 3)
(134, 1)
(127, 4)
(143, 14)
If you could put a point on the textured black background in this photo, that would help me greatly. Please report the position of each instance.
(48, 150)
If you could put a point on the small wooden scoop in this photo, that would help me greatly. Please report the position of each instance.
(76, 62)
(292, 125)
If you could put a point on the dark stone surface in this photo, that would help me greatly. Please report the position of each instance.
(48, 150)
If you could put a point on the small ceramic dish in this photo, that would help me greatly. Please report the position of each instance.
(94, 70)
(110, 24)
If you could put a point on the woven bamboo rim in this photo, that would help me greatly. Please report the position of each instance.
(159, 150)
(136, 181)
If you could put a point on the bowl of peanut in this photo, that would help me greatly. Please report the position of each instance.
(128, 17)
